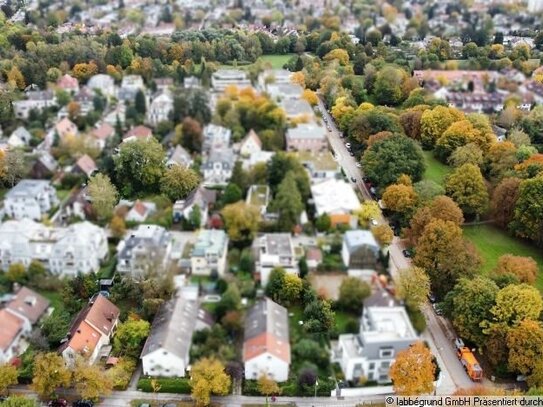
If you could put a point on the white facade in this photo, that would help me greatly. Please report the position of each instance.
(224, 78)
(535, 6)
(78, 248)
(36, 101)
(209, 253)
(266, 364)
(30, 199)
(160, 109)
(274, 250)
(164, 364)
(250, 145)
(103, 83)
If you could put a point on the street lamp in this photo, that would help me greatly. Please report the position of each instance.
(316, 384)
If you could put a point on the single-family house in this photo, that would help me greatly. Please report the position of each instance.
(20, 137)
(85, 100)
(44, 167)
(179, 156)
(216, 137)
(337, 199)
(91, 330)
(30, 306)
(160, 108)
(163, 84)
(84, 165)
(103, 84)
(250, 144)
(191, 82)
(138, 133)
(266, 346)
(68, 83)
(101, 134)
(10, 336)
(320, 166)
(140, 211)
(116, 115)
(385, 330)
(145, 249)
(201, 197)
(65, 127)
(35, 100)
(209, 253)
(130, 86)
(30, 198)
(218, 166)
(273, 250)
(166, 350)
(360, 252)
(307, 137)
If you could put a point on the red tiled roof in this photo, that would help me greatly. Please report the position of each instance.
(263, 343)
(11, 326)
(29, 304)
(139, 132)
(104, 131)
(86, 164)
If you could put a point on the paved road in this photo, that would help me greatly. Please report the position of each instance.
(438, 334)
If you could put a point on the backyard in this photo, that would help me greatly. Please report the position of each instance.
(435, 170)
(492, 242)
(276, 62)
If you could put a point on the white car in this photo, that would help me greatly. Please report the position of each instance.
(374, 222)
(359, 165)
(348, 145)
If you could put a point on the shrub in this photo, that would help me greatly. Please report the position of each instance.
(179, 385)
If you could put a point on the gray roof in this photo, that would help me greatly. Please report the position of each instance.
(48, 161)
(148, 236)
(381, 298)
(306, 131)
(358, 238)
(224, 156)
(200, 196)
(179, 156)
(296, 107)
(28, 188)
(276, 244)
(266, 316)
(210, 241)
(173, 327)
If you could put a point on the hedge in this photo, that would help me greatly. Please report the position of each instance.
(167, 385)
(290, 388)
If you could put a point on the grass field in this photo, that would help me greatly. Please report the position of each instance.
(276, 62)
(435, 170)
(493, 242)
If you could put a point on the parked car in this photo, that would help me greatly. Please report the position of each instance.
(83, 403)
(144, 405)
(437, 309)
(351, 153)
(431, 298)
(348, 145)
(169, 405)
(353, 179)
(406, 253)
(359, 165)
(57, 403)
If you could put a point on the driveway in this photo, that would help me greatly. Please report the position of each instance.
(327, 284)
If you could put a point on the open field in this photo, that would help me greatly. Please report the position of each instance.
(435, 170)
(493, 242)
(276, 62)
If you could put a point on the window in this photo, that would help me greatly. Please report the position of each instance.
(371, 366)
(386, 352)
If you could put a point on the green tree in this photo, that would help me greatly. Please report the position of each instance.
(352, 293)
(230, 301)
(525, 342)
(178, 182)
(469, 304)
(130, 336)
(241, 221)
(8, 377)
(319, 317)
(288, 203)
(103, 195)
(388, 87)
(192, 135)
(140, 103)
(208, 377)
(413, 287)
(291, 288)
(195, 217)
(445, 256)
(436, 121)
(504, 200)
(528, 218)
(466, 186)
(55, 327)
(515, 303)
(16, 273)
(387, 159)
(323, 223)
(275, 283)
(18, 401)
(50, 373)
(139, 166)
(467, 154)
(90, 381)
(232, 193)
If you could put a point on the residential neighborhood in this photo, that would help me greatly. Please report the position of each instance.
(242, 203)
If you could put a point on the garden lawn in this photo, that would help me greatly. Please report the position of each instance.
(493, 242)
(55, 297)
(276, 61)
(435, 170)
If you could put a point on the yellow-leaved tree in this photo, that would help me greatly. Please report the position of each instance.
(413, 371)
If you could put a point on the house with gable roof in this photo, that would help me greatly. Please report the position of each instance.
(266, 346)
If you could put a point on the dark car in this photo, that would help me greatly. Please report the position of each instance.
(83, 403)
(57, 403)
(406, 253)
(351, 153)
(432, 298)
(437, 309)
(353, 179)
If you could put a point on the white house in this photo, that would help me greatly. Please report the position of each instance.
(166, 351)
(218, 166)
(78, 248)
(20, 137)
(160, 108)
(30, 199)
(360, 252)
(209, 253)
(273, 250)
(337, 199)
(140, 211)
(35, 100)
(266, 346)
(179, 156)
(145, 249)
(385, 330)
(250, 144)
(130, 86)
(224, 78)
(216, 137)
(91, 330)
(103, 83)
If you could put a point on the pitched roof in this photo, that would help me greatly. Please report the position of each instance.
(68, 82)
(138, 132)
(102, 314)
(86, 164)
(173, 327)
(11, 326)
(84, 338)
(252, 135)
(65, 126)
(140, 208)
(266, 330)
(29, 304)
(103, 131)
